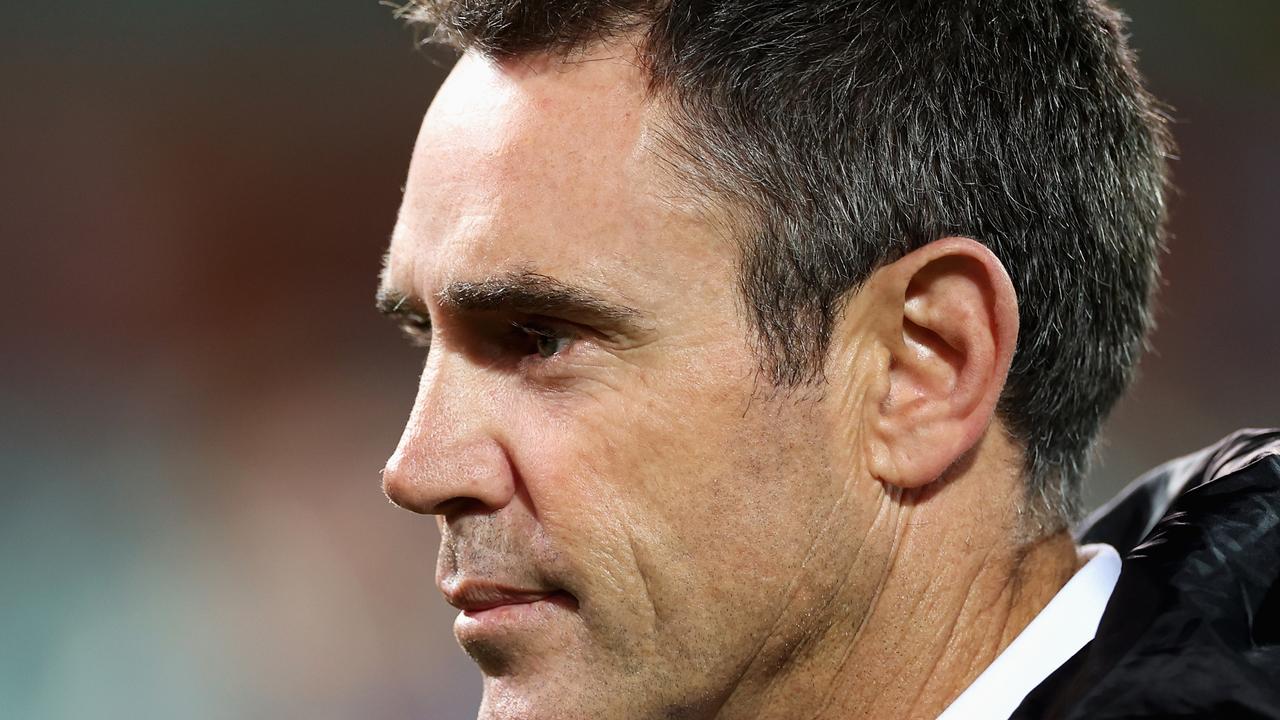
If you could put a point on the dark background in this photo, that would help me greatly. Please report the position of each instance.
(197, 395)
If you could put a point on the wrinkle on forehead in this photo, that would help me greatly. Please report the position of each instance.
(544, 165)
(593, 109)
(551, 169)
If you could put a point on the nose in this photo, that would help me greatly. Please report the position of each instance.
(450, 458)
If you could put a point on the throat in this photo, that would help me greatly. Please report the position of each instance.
(924, 640)
(1004, 596)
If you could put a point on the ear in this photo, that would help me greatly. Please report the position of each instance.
(944, 319)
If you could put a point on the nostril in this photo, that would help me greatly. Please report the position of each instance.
(415, 496)
(459, 506)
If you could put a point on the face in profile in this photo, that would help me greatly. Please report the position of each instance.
(633, 522)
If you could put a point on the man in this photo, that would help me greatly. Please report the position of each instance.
(767, 345)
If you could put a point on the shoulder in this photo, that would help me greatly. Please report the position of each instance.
(1192, 628)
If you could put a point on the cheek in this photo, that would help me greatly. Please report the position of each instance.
(667, 509)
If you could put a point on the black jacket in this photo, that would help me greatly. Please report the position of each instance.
(1192, 629)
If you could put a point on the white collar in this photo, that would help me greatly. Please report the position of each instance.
(1065, 625)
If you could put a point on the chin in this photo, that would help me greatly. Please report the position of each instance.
(578, 693)
(555, 674)
(539, 698)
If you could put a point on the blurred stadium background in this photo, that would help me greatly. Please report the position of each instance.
(196, 393)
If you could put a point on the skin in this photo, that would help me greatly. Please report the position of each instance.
(718, 547)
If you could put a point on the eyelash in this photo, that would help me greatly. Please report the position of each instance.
(418, 332)
(539, 333)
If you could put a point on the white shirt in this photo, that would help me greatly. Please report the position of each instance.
(1065, 625)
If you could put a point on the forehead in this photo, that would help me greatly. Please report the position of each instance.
(544, 165)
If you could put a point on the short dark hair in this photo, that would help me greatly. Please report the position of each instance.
(851, 132)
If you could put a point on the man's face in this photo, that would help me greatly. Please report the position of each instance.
(632, 520)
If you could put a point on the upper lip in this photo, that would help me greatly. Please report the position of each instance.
(476, 595)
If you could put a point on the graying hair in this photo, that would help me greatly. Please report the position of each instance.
(854, 131)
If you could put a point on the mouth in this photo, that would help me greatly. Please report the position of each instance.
(506, 609)
(487, 602)
(490, 609)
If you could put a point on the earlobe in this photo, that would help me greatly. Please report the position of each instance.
(947, 323)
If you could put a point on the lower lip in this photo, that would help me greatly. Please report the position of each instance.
(474, 623)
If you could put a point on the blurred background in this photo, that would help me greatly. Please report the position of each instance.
(197, 395)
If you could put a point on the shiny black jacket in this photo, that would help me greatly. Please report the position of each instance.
(1192, 629)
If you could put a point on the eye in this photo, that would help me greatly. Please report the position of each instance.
(547, 342)
(549, 346)
(417, 329)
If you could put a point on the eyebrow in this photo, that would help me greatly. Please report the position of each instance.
(521, 292)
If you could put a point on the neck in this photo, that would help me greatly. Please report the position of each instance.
(927, 635)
